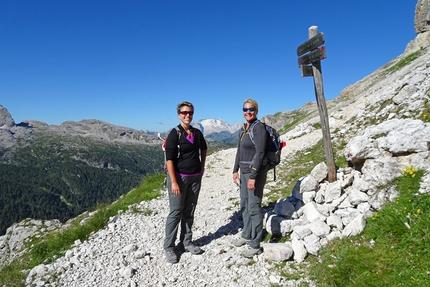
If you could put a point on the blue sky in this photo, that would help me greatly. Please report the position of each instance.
(130, 63)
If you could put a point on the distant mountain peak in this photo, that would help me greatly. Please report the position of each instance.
(209, 126)
(6, 120)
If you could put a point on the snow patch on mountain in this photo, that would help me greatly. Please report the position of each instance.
(209, 126)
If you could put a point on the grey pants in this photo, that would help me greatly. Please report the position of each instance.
(250, 202)
(182, 208)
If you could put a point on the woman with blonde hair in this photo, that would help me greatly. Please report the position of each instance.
(251, 178)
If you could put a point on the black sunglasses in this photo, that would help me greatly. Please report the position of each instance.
(184, 113)
(248, 109)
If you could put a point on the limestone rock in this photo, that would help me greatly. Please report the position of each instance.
(6, 120)
(422, 16)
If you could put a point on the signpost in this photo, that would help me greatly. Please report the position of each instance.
(311, 44)
(313, 56)
(311, 53)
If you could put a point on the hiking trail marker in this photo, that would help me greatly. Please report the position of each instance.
(310, 55)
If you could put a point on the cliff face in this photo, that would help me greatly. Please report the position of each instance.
(422, 27)
(6, 120)
(10, 132)
(422, 16)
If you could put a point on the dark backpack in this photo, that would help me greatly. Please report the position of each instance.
(273, 146)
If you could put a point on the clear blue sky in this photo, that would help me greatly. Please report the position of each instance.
(130, 63)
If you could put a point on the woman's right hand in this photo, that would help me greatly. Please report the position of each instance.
(175, 188)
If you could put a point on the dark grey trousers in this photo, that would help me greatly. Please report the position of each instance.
(250, 202)
(182, 208)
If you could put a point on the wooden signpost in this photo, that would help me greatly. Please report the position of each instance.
(310, 55)
(313, 56)
(311, 44)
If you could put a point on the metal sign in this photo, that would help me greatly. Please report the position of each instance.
(311, 44)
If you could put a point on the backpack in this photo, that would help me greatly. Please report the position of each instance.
(163, 146)
(273, 146)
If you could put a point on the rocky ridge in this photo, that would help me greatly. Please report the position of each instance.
(10, 132)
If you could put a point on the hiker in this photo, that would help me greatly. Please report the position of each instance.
(253, 173)
(185, 159)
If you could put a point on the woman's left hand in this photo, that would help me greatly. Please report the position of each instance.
(251, 184)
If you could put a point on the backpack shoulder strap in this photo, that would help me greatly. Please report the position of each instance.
(251, 130)
(178, 131)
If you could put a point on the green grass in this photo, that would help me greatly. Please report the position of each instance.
(405, 61)
(425, 115)
(56, 243)
(296, 117)
(392, 250)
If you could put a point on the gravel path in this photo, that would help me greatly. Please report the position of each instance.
(128, 252)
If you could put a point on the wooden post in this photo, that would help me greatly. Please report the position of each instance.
(322, 108)
(319, 93)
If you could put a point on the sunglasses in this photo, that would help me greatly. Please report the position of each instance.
(184, 113)
(248, 109)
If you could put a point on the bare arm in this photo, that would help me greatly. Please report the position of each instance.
(172, 176)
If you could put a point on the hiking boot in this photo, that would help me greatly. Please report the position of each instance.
(192, 248)
(171, 256)
(240, 242)
(251, 252)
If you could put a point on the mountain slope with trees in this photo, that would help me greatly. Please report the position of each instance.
(59, 176)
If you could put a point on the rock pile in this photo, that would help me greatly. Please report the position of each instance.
(12, 243)
(319, 211)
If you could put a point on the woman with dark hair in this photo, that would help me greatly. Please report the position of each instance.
(185, 160)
